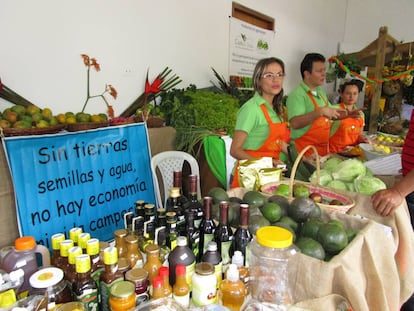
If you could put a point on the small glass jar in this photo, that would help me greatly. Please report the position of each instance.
(72, 306)
(139, 277)
(204, 285)
(50, 280)
(122, 296)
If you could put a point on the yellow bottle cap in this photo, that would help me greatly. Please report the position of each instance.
(274, 237)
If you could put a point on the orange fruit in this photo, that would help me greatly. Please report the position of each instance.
(71, 120)
(61, 118)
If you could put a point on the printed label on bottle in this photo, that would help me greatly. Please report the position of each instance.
(247, 255)
(207, 238)
(204, 294)
(89, 299)
(183, 300)
(218, 271)
(225, 256)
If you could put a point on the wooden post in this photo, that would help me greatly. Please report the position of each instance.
(379, 65)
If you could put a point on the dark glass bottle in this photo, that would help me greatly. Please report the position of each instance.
(191, 232)
(109, 276)
(223, 235)
(161, 233)
(182, 254)
(178, 182)
(149, 224)
(138, 228)
(174, 205)
(139, 208)
(242, 236)
(194, 205)
(171, 230)
(207, 226)
(128, 217)
(85, 289)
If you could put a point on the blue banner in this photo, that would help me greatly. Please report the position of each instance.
(87, 179)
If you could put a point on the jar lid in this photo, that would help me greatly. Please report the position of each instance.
(122, 289)
(46, 277)
(204, 268)
(136, 274)
(274, 237)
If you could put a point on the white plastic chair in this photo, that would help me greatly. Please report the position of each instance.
(167, 162)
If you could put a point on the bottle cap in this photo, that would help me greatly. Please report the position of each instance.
(157, 282)
(72, 253)
(274, 237)
(164, 271)
(181, 241)
(110, 255)
(92, 247)
(46, 277)
(237, 258)
(24, 243)
(56, 239)
(83, 263)
(122, 289)
(211, 246)
(64, 247)
(180, 269)
(232, 273)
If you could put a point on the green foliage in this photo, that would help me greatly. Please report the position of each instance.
(197, 113)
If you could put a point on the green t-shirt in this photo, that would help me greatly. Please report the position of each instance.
(250, 119)
(299, 103)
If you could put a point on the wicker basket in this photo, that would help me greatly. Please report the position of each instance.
(83, 126)
(10, 131)
(327, 194)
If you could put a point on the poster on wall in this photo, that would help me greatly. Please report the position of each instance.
(248, 44)
(86, 179)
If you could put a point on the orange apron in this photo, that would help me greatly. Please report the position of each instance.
(271, 147)
(317, 135)
(347, 134)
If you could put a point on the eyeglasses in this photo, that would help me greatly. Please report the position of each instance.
(271, 75)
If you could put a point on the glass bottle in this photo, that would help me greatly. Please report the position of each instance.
(139, 208)
(128, 216)
(181, 289)
(161, 233)
(213, 256)
(164, 272)
(157, 287)
(191, 232)
(120, 243)
(194, 205)
(223, 235)
(178, 182)
(123, 265)
(70, 274)
(181, 254)
(244, 274)
(97, 266)
(173, 204)
(55, 241)
(171, 230)
(133, 253)
(82, 239)
(64, 253)
(149, 224)
(207, 226)
(153, 262)
(242, 236)
(74, 233)
(138, 227)
(232, 291)
(109, 276)
(85, 289)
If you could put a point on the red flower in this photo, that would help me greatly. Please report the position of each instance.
(154, 87)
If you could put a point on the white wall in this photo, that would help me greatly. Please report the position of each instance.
(42, 41)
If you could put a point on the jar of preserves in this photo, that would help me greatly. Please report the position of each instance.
(139, 277)
(204, 285)
(50, 280)
(122, 296)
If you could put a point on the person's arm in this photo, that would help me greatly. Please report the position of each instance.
(386, 201)
(303, 120)
(236, 148)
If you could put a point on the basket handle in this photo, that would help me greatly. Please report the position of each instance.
(296, 164)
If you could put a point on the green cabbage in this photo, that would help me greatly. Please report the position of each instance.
(324, 177)
(337, 184)
(349, 169)
(368, 185)
(331, 164)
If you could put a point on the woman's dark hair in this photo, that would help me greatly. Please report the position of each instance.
(308, 60)
(358, 83)
(257, 75)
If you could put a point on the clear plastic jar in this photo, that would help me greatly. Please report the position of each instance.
(272, 267)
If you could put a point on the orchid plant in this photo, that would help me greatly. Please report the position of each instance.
(92, 62)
